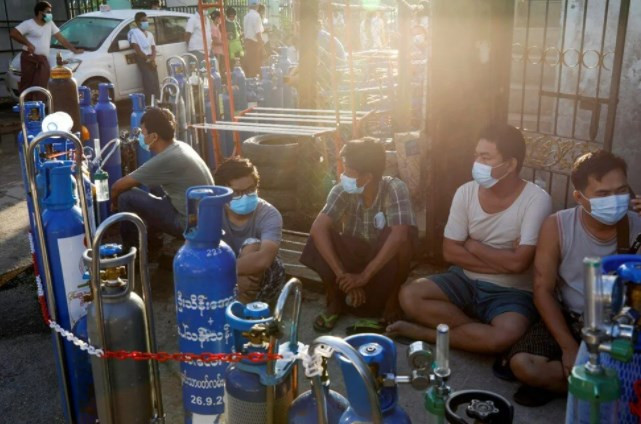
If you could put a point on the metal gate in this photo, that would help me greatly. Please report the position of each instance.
(566, 68)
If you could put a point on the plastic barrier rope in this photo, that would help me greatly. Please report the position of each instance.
(136, 355)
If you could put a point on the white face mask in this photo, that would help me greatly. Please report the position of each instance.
(482, 174)
(609, 210)
(350, 186)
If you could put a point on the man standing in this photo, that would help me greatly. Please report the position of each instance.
(253, 229)
(490, 238)
(234, 35)
(35, 36)
(361, 242)
(142, 40)
(174, 167)
(194, 36)
(601, 223)
(253, 28)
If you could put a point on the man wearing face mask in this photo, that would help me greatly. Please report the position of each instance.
(175, 167)
(490, 238)
(143, 42)
(35, 36)
(361, 243)
(600, 225)
(253, 229)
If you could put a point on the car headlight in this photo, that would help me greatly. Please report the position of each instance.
(73, 64)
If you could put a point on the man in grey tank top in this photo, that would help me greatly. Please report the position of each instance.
(544, 357)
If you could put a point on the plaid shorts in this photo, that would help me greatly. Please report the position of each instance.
(539, 341)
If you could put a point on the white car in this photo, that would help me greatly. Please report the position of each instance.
(107, 55)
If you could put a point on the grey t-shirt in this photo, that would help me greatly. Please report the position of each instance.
(266, 223)
(175, 169)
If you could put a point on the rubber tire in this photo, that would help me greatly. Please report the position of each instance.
(277, 177)
(92, 84)
(283, 200)
(271, 149)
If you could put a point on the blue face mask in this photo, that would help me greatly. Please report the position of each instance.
(48, 17)
(350, 186)
(142, 144)
(609, 210)
(245, 204)
(144, 25)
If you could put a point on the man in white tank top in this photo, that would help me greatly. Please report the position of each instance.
(490, 238)
(544, 357)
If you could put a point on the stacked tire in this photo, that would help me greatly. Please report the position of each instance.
(275, 157)
(288, 167)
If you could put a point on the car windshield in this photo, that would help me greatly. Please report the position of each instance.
(86, 32)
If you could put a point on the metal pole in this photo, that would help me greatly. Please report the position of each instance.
(296, 287)
(622, 27)
(350, 62)
(345, 349)
(51, 303)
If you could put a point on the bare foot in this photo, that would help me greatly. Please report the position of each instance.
(410, 330)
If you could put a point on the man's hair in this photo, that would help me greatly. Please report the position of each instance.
(509, 142)
(595, 164)
(234, 168)
(365, 155)
(215, 14)
(138, 16)
(41, 6)
(230, 11)
(160, 121)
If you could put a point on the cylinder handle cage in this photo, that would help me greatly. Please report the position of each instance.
(96, 262)
(266, 333)
(329, 344)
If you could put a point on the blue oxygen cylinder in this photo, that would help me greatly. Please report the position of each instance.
(108, 128)
(629, 372)
(285, 66)
(304, 409)
(138, 109)
(278, 87)
(204, 281)
(88, 116)
(246, 381)
(226, 137)
(379, 352)
(252, 92)
(239, 80)
(34, 112)
(64, 234)
(268, 87)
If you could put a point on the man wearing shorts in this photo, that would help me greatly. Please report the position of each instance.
(490, 238)
(601, 223)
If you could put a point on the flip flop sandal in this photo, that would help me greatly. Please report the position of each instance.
(365, 326)
(532, 396)
(325, 323)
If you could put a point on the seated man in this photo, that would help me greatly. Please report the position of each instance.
(490, 237)
(360, 242)
(544, 357)
(253, 229)
(174, 167)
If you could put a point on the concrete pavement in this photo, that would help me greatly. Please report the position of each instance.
(28, 382)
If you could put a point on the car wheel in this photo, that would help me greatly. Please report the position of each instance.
(92, 84)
